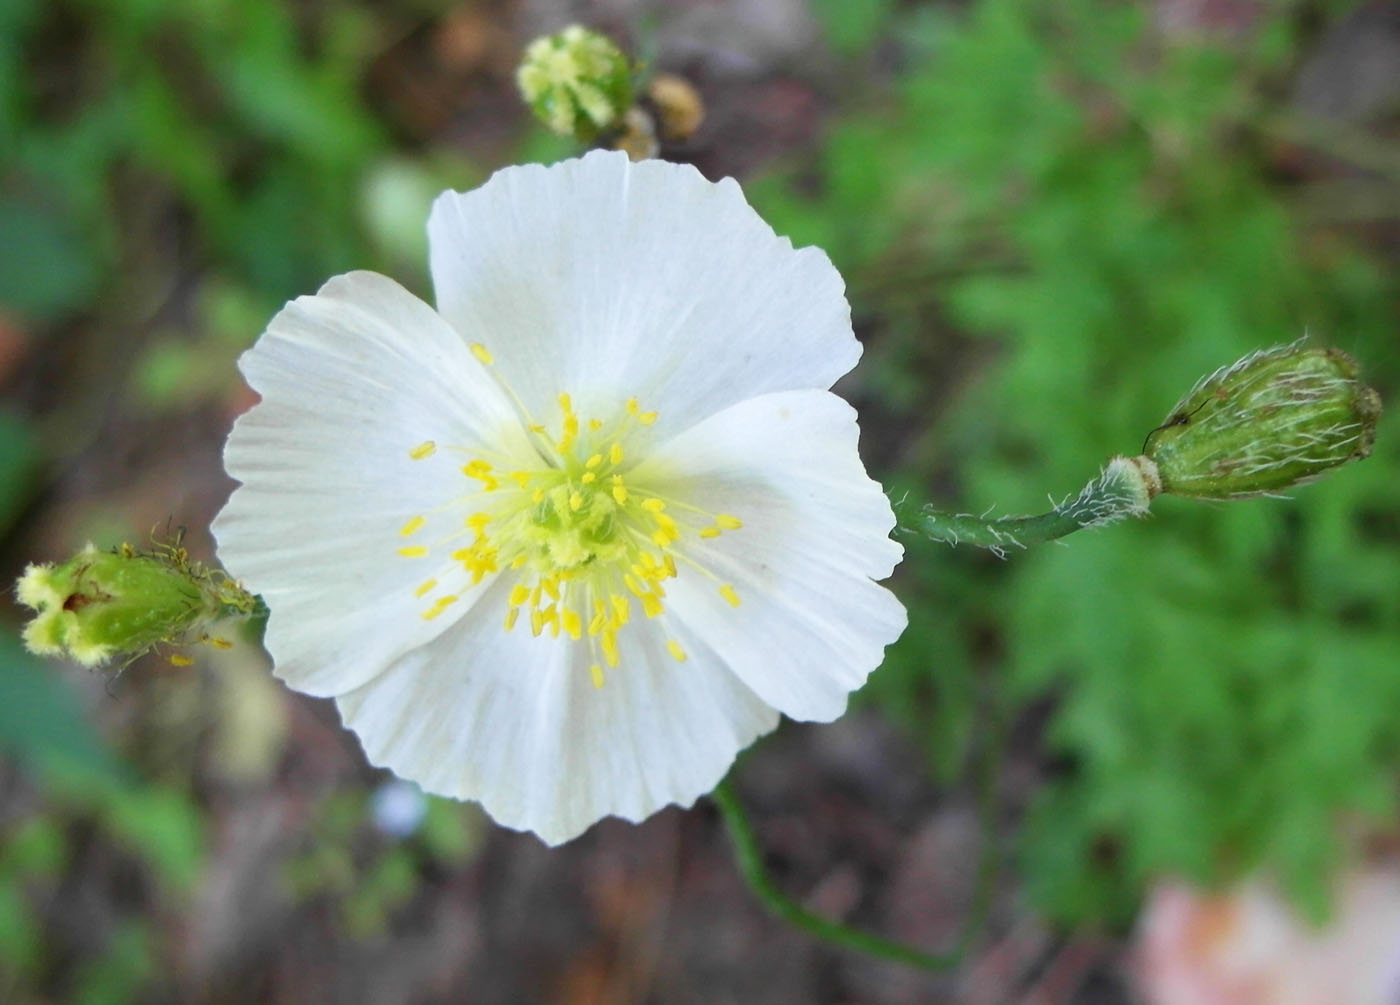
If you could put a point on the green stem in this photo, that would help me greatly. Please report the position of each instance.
(1122, 489)
(750, 860)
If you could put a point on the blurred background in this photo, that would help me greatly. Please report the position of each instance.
(1053, 218)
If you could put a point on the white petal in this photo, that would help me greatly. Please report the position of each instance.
(515, 722)
(351, 379)
(609, 279)
(811, 624)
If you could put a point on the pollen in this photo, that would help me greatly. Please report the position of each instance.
(585, 544)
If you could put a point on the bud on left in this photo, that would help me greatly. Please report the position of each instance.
(98, 606)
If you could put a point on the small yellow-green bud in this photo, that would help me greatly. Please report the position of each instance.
(577, 82)
(1276, 418)
(99, 606)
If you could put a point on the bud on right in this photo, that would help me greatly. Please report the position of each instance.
(1276, 418)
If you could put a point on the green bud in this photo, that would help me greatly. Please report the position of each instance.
(1276, 418)
(577, 82)
(98, 606)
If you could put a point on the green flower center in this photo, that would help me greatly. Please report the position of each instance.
(586, 545)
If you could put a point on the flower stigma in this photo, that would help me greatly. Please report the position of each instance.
(586, 545)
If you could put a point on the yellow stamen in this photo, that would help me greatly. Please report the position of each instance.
(176, 660)
(596, 673)
(413, 551)
(482, 354)
(615, 453)
(675, 650)
(728, 593)
(439, 605)
(425, 449)
(728, 522)
(412, 527)
(425, 588)
(709, 532)
(511, 614)
(664, 522)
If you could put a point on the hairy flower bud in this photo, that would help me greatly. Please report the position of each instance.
(577, 82)
(98, 605)
(1276, 418)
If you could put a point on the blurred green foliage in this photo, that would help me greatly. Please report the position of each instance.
(90, 796)
(365, 880)
(1097, 201)
(263, 142)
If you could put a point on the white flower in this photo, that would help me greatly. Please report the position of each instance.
(569, 543)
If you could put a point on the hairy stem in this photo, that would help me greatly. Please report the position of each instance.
(1123, 489)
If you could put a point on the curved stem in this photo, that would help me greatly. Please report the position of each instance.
(750, 860)
(1122, 489)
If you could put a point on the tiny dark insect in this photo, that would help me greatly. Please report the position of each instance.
(1177, 419)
